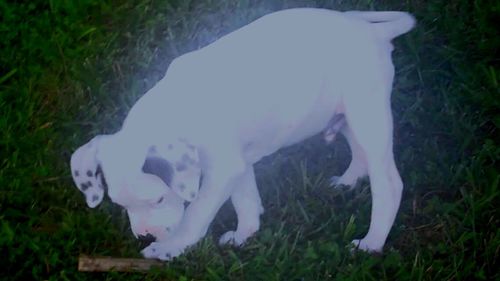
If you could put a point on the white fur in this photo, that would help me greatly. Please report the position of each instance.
(268, 85)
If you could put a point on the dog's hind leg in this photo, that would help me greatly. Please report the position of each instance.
(357, 167)
(372, 127)
(247, 204)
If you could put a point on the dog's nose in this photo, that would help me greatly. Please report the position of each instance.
(145, 240)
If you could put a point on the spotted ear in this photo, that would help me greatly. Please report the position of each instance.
(188, 177)
(87, 173)
(180, 169)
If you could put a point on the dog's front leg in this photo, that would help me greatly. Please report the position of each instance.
(248, 206)
(221, 171)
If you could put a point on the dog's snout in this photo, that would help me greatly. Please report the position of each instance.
(145, 240)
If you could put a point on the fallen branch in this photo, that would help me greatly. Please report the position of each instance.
(102, 264)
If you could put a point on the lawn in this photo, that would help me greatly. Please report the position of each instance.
(72, 69)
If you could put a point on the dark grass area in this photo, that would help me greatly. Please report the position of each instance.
(71, 69)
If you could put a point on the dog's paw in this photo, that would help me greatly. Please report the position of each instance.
(231, 238)
(338, 182)
(366, 245)
(162, 250)
(334, 181)
(227, 238)
(236, 238)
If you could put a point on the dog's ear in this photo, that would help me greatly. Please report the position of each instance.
(87, 173)
(178, 165)
(188, 177)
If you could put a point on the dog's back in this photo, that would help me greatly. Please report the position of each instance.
(387, 25)
(306, 58)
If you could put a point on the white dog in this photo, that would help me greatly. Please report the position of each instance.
(218, 110)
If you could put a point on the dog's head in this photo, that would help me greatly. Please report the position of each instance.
(154, 195)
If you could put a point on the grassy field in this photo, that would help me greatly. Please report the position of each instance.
(72, 69)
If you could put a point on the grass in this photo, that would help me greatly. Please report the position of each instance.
(71, 69)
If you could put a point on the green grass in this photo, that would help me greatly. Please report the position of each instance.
(71, 69)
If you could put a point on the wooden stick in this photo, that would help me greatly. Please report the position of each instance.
(102, 264)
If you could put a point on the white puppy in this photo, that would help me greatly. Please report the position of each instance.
(270, 84)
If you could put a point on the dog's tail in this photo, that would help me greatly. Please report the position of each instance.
(387, 25)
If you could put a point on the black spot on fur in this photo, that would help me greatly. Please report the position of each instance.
(89, 183)
(95, 197)
(84, 186)
(89, 173)
(77, 173)
(159, 200)
(159, 167)
(100, 174)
